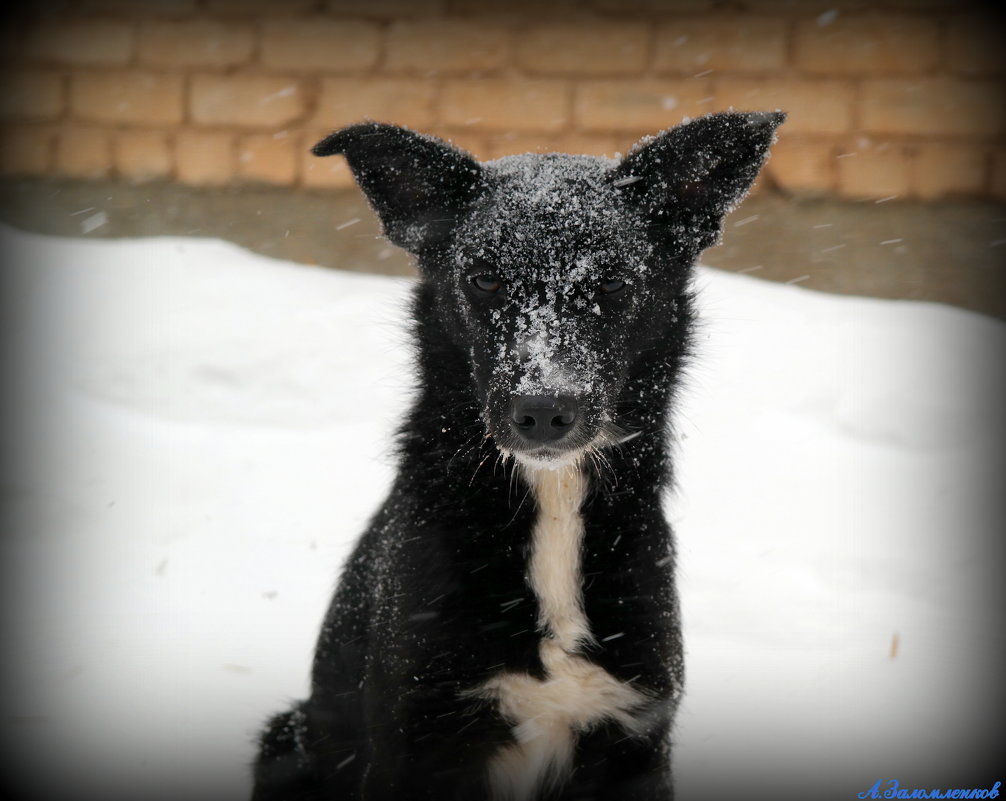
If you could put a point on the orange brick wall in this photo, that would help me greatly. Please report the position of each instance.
(899, 98)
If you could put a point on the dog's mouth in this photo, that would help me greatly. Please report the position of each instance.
(547, 458)
(566, 452)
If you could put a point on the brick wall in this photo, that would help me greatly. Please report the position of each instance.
(897, 98)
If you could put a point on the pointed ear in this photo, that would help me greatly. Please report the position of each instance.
(417, 184)
(688, 178)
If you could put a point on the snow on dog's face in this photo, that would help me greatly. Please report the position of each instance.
(559, 274)
(549, 272)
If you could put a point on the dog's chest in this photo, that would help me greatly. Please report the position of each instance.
(546, 715)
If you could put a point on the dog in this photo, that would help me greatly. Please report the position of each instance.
(507, 627)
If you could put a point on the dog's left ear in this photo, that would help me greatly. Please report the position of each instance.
(688, 178)
(417, 184)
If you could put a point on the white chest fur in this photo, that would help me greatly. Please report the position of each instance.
(546, 715)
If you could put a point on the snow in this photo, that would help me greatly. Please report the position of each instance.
(540, 207)
(199, 433)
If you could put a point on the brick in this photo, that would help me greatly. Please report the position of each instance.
(734, 44)
(975, 45)
(473, 142)
(639, 107)
(592, 145)
(83, 152)
(518, 9)
(26, 150)
(580, 144)
(195, 43)
(204, 158)
(813, 106)
(675, 7)
(927, 5)
(868, 45)
(30, 95)
(829, 8)
(330, 172)
(245, 100)
(319, 44)
(145, 98)
(510, 144)
(258, 8)
(803, 166)
(146, 9)
(404, 101)
(82, 42)
(505, 105)
(267, 159)
(933, 106)
(943, 169)
(874, 172)
(431, 46)
(141, 155)
(584, 48)
(999, 174)
(386, 9)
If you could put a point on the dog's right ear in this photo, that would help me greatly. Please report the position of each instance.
(417, 184)
(689, 177)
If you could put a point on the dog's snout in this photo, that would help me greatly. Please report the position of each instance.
(543, 418)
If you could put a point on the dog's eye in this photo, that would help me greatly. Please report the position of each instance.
(611, 286)
(487, 283)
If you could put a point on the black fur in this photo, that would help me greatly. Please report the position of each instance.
(435, 600)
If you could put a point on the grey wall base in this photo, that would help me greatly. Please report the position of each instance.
(950, 252)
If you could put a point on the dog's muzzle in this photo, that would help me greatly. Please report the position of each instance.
(543, 419)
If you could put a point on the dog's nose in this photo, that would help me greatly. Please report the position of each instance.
(543, 418)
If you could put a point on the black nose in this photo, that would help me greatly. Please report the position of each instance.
(543, 418)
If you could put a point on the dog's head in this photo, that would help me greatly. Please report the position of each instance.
(560, 275)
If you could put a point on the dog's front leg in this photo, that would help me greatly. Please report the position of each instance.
(435, 747)
(611, 765)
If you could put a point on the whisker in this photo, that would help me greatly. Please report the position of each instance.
(466, 447)
(519, 506)
(479, 467)
(592, 455)
(605, 465)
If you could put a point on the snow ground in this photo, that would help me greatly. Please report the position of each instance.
(197, 434)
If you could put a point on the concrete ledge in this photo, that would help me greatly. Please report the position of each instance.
(949, 252)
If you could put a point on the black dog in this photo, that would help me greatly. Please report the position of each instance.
(507, 626)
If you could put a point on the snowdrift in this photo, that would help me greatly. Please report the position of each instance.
(198, 434)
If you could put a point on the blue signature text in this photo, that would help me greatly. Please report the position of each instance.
(891, 789)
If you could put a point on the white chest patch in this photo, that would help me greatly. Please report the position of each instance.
(546, 715)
